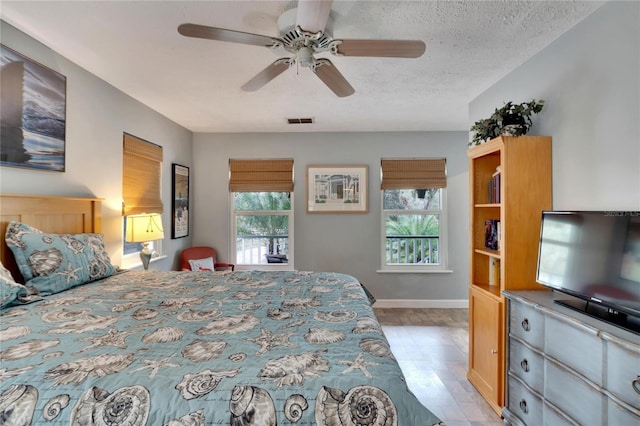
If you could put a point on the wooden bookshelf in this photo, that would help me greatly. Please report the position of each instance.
(524, 163)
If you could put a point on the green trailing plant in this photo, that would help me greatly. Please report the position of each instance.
(510, 120)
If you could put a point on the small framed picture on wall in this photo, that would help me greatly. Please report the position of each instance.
(337, 189)
(180, 207)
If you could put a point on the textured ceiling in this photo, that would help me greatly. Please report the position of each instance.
(134, 46)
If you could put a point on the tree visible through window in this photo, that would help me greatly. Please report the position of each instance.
(412, 226)
(262, 211)
(262, 227)
(413, 213)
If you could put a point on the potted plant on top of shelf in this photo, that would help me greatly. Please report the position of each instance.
(510, 120)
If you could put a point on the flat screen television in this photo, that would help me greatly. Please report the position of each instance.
(595, 257)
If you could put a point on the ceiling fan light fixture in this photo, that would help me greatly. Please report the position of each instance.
(304, 57)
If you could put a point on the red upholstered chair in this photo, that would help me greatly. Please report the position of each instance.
(197, 253)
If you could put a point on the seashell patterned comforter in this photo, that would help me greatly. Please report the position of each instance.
(196, 348)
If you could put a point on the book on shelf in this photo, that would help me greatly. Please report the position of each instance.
(492, 234)
(493, 187)
(494, 271)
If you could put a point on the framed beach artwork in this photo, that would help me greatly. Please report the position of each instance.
(337, 189)
(180, 206)
(32, 113)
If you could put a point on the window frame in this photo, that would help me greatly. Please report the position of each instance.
(134, 151)
(443, 246)
(289, 266)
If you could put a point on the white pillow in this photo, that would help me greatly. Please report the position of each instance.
(9, 289)
(202, 264)
(4, 273)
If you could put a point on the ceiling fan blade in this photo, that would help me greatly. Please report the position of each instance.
(266, 75)
(312, 15)
(221, 34)
(381, 48)
(329, 74)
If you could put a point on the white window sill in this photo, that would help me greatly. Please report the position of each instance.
(265, 267)
(415, 271)
(137, 263)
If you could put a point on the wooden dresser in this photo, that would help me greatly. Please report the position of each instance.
(567, 368)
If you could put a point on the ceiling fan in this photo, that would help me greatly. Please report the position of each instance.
(304, 37)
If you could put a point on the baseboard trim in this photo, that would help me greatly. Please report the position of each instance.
(412, 303)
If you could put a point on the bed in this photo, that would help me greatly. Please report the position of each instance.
(187, 348)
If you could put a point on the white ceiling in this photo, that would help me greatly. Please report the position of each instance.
(134, 45)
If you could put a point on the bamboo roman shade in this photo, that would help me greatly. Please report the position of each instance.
(141, 168)
(261, 175)
(414, 173)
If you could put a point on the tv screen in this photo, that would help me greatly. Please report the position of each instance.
(594, 256)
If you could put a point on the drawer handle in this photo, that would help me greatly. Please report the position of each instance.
(525, 365)
(525, 324)
(636, 385)
(523, 406)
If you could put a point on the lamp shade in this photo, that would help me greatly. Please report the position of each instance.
(144, 227)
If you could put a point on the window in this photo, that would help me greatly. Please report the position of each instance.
(262, 212)
(560, 237)
(141, 171)
(414, 214)
(262, 228)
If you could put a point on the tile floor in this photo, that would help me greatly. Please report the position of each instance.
(431, 346)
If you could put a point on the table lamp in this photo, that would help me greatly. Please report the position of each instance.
(143, 228)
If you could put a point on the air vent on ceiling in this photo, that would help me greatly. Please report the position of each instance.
(300, 120)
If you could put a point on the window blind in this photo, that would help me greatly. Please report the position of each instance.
(414, 173)
(141, 169)
(261, 175)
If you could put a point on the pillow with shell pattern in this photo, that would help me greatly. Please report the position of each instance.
(9, 289)
(52, 263)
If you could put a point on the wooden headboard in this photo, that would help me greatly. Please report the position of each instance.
(59, 215)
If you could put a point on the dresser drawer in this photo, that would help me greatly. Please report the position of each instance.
(552, 416)
(526, 364)
(526, 323)
(622, 377)
(510, 419)
(619, 415)
(582, 401)
(524, 403)
(576, 345)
